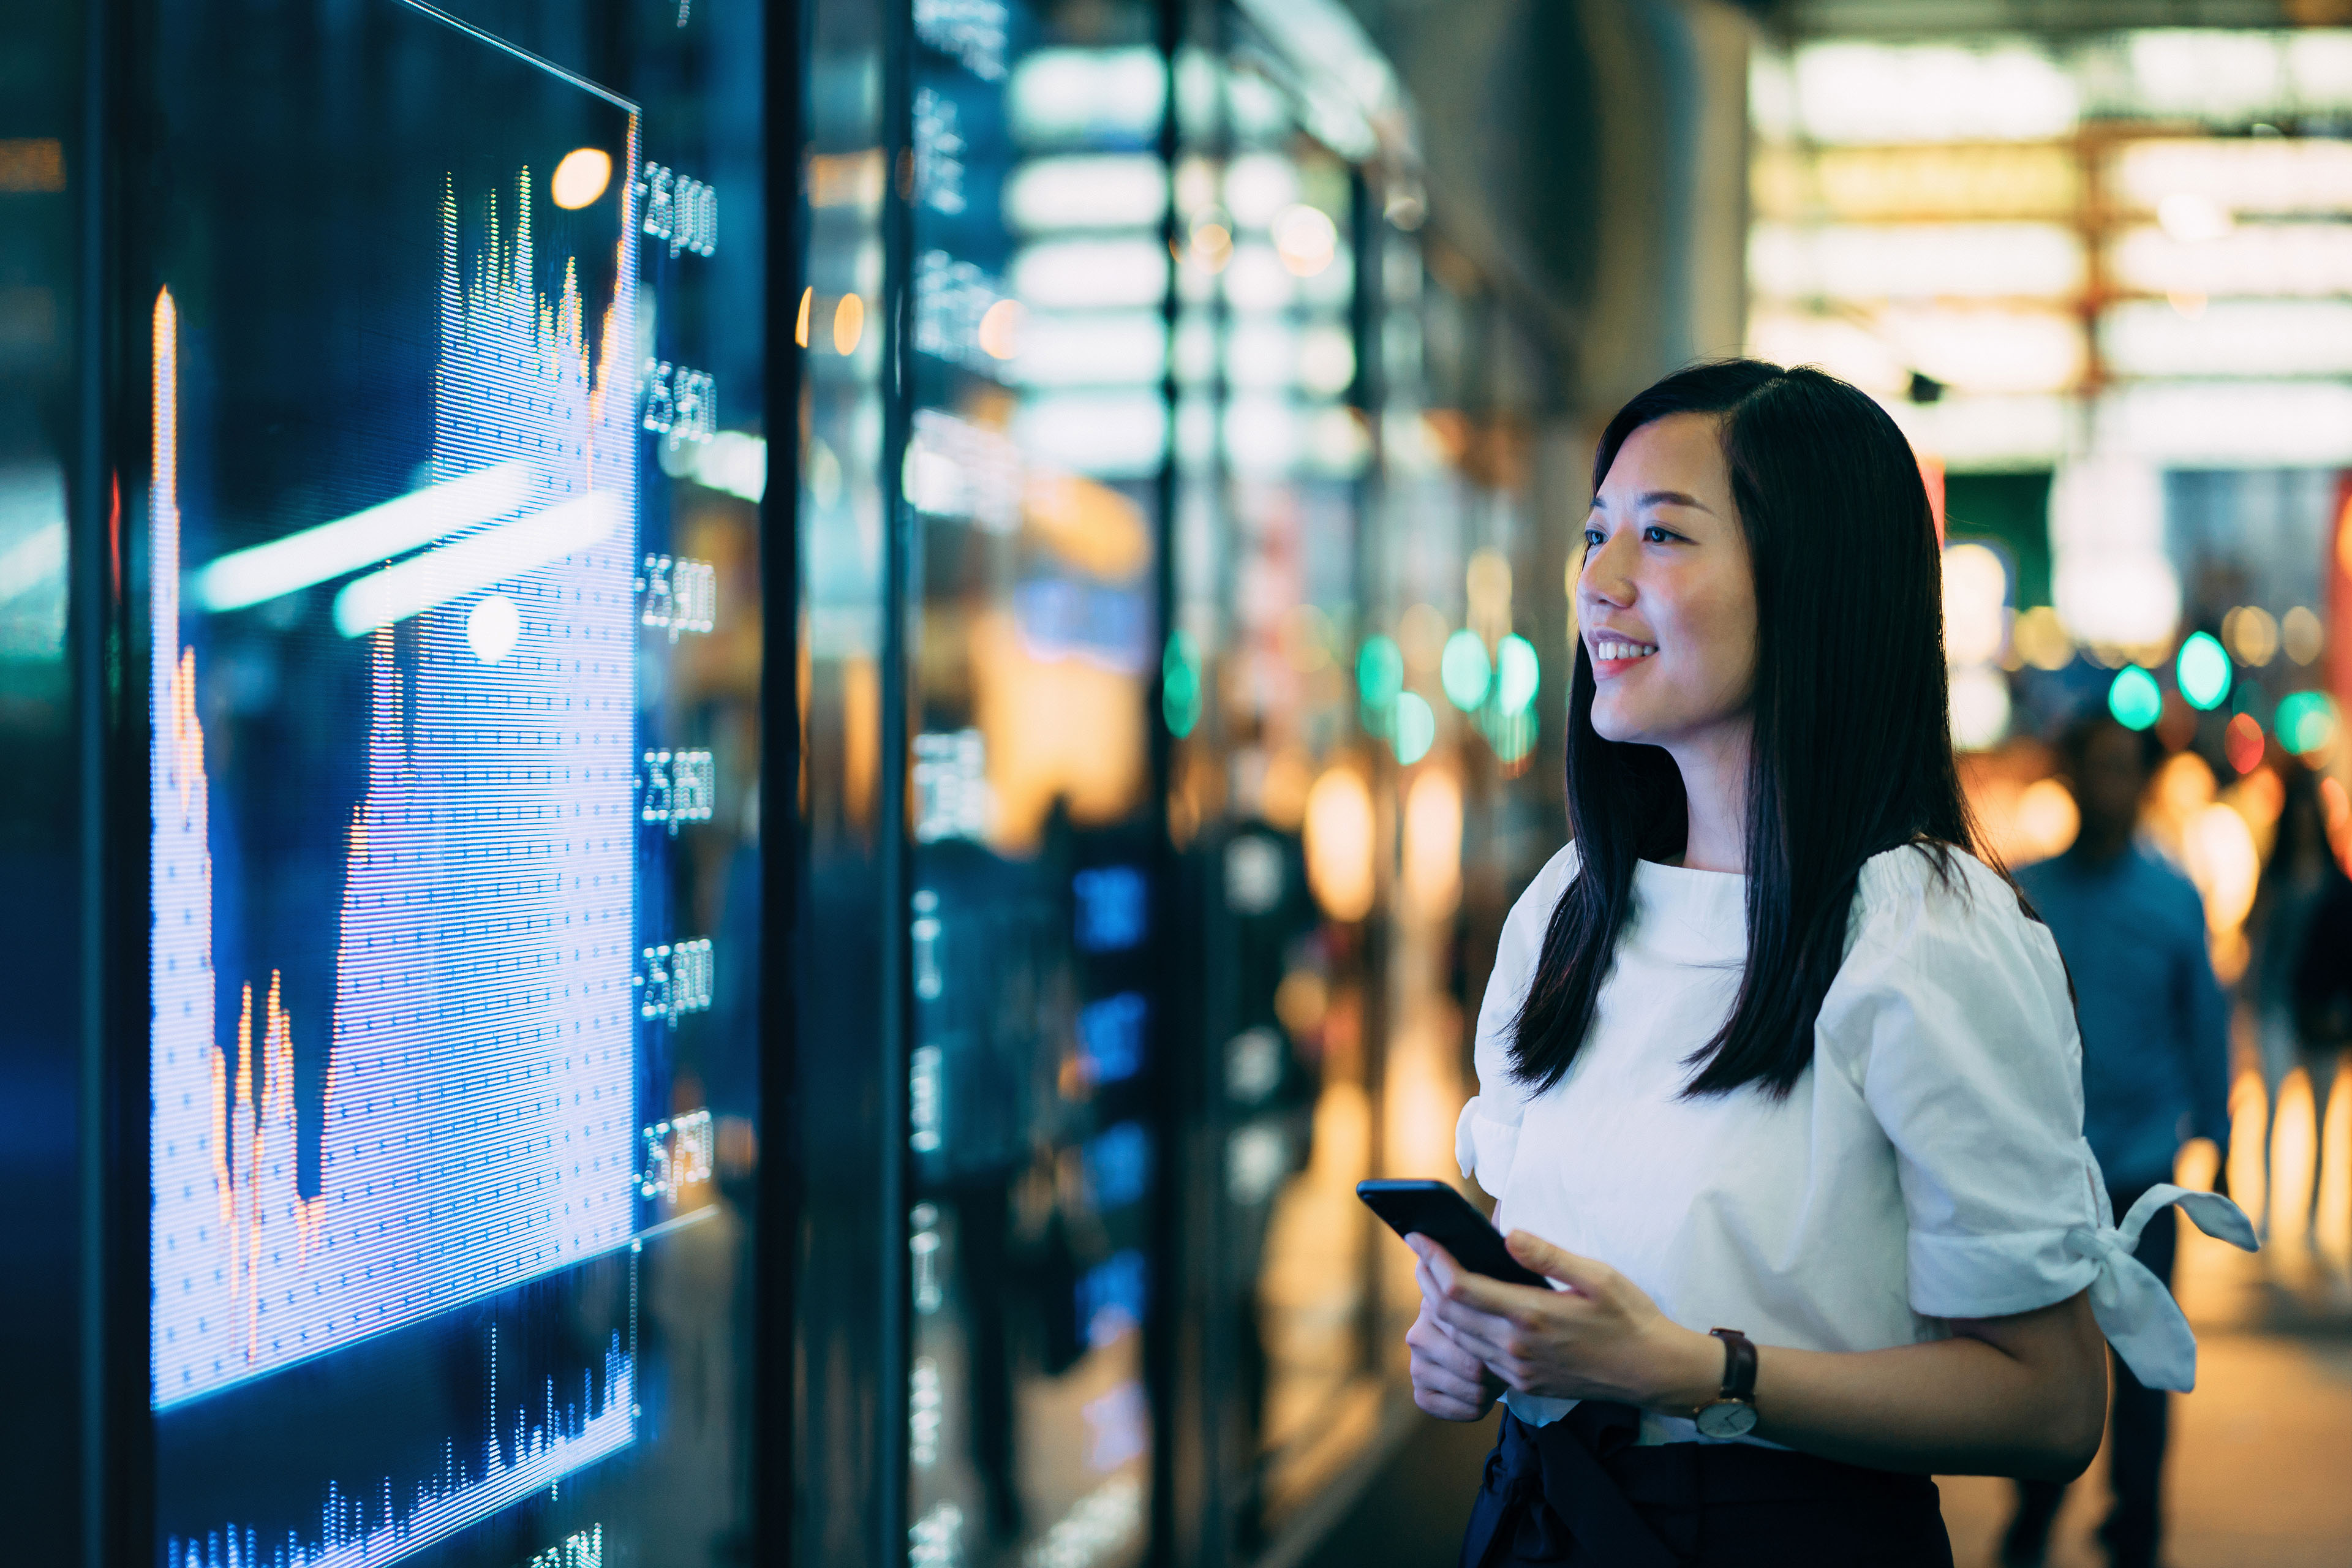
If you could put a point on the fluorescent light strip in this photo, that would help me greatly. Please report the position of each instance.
(285, 566)
(438, 576)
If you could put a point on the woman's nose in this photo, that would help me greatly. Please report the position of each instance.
(1603, 577)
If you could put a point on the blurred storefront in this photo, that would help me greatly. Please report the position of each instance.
(2103, 278)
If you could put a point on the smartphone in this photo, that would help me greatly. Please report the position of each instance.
(1437, 1211)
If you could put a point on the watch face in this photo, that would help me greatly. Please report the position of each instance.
(1726, 1418)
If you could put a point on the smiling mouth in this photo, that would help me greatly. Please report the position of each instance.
(1614, 650)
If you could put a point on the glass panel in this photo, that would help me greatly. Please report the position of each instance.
(451, 544)
(1280, 782)
(44, 180)
(1036, 443)
(848, 1328)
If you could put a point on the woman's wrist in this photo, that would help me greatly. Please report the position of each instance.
(1688, 1373)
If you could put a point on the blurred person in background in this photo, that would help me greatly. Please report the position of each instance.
(2155, 1071)
(2303, 953)
(2323, 988)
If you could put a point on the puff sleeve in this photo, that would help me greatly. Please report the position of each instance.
(1486, 1135)
(1953, 1012)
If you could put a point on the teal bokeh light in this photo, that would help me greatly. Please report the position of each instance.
(1463, 669)
(1416, 727)
(2203, 670)
(1180, 684)
(1518, 673)
(2133, 699)
(1379, 671)
(2306, 721)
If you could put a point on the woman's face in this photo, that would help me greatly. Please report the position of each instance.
(1666, 601)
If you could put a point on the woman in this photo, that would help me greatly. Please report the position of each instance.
(1766, 1051)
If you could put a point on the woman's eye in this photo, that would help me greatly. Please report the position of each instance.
(1592, 539)
(1655, 535)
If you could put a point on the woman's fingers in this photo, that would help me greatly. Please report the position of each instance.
(1431, 1339)
(1447, 1381)
(1489, 1310)
(1489, 1340)
(1446, 1407)
(1588, 1274)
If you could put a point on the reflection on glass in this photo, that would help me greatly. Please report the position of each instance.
(47, 508)
(1036, 436)
(1274, 789)
(452, 615)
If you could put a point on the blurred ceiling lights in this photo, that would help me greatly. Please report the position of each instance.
(1091, 191)
(1091, 274)
(1068, 95)
(2229, 338)
(1926, 209)
(2274, 258)
(1896, 261)
(2231, 176)
(1853, 92)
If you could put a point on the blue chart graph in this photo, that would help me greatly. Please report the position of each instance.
(478, 1126)
(534, 1439)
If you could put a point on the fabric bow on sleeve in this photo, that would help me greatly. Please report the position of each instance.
(1484, 1147)
(2134, 1310)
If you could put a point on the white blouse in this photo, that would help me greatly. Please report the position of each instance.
(1930, 1165)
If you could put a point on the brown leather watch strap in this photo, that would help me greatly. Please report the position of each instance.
(1738, 1365)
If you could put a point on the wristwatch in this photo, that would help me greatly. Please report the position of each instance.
(1732, 1412)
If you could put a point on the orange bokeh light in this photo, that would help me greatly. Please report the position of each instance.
(2241, 742)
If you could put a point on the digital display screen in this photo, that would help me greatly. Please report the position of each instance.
(437, 1228)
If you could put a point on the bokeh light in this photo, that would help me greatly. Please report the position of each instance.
(1416, 727)
(1338, 833)
(1512, 733)
(999, 333)
(848, 324)
(1464, 670)
(1518, 674)
(580, 177)
(2300, 635)
(1306, 239)
(2133, 698)
(2219, 850)
(1975, 589)
(2047, 819)
(1431, 849)
(2252, 634)
(1379, 671)
(1980, 709)
(2307, 722)
(2203, 672)
(2241, 742)
(1180, 684)
(2041, 639)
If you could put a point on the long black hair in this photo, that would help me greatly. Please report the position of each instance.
(1852, 752)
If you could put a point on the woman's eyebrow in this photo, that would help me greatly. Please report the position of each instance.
(1660, 498)
(1673, 498)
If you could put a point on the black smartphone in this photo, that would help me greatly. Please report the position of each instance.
(1435, 1210)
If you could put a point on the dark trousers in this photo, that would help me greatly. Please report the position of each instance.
(1580, 1493)
(2136, 1437)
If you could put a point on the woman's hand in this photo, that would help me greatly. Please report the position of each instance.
(1599, 1339)
(1448, 1382)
